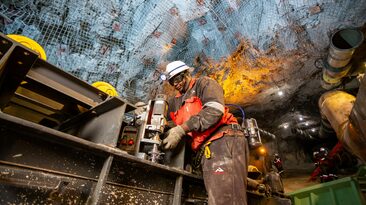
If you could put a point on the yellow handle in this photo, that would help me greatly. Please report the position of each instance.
(207, 151)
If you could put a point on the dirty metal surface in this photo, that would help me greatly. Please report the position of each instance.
(14, 65)
(32, 165)
(26, 186)
(127, 173)
(31, 149)
(20, 149)
(29, 129)
(22, 186)
(96, 195)
(63, 82)
(105, 126)
(115, 194)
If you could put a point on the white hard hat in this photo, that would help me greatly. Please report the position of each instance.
(174, 68)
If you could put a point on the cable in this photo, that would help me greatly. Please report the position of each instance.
(241, 109)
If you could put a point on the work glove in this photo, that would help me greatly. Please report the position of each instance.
(261, 188)
(174, 135)
(141, 108)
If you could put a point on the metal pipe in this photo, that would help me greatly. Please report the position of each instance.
(347, 116)
(355, 134)
(342, 46)
(343, 43)
(336, 106)
(332, 77)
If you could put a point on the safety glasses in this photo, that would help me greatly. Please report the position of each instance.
(176, 79)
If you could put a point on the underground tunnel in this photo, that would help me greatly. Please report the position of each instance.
(86, 109)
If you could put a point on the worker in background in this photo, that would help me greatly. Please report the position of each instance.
(277, 162)
(198, 111)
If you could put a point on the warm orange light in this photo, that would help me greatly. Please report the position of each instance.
(245, 73)
(262, 151)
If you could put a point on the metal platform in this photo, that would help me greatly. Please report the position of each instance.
(58, 138)
(59, 143)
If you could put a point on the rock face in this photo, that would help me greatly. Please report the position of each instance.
(254, 49)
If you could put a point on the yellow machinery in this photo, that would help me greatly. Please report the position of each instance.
(29, 43)
(106, 87)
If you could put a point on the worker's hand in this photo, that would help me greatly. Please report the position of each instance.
(174, 135)
(141, 108)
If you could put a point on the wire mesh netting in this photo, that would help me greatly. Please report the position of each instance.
(123, 41)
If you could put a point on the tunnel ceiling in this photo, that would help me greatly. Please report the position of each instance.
(262, 52)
